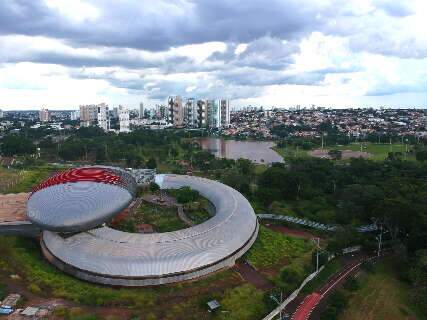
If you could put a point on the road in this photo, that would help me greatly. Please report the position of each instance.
(309, 304)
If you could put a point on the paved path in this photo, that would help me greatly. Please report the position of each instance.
(307, 306)
(183, 216)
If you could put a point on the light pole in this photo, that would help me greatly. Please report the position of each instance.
(317, 241)
(380, 240)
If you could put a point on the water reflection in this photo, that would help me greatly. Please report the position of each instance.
(256, 151)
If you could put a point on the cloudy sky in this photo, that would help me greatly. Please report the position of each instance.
(62, 53)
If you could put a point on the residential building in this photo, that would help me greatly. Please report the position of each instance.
(88, 115)
(44, 115)
(103, 119)
(212, 109)
(74, 115)
(190, 113)
(224, 113)
(201, 113)
(123, 119)
(160, 112)
(141, 110)
(175, 111)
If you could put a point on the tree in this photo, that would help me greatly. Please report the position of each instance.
(186, 194)
(154, 187)
(151, 163)
(16, 145)
(421, 155)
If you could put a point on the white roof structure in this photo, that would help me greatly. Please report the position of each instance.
(114, 257)
(80, 199)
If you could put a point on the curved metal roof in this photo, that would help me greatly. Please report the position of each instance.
(105, 251)
(80, 199)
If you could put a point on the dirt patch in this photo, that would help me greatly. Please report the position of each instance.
(298, 233)
(13, 207)
(253, 276)
(345, 154)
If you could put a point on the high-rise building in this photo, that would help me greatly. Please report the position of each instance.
(212, 118)
(160, 112)
(102, 117)
(141, 110)
(175, 111)
(190, 113)
(123, 119)
(201, 114)
(1, 113)
(115, 113)
(224, 113)
(88, 115)
(44, 115)
(74, 115)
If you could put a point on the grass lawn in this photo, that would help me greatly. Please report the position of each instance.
(15, 181)
(272, 247)
(378, 151)
(163, 219)
(381, 297)
(291, 152)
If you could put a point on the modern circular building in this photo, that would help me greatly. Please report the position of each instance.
(103, 255)
(80, 199)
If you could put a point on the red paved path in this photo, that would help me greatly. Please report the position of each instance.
(305, 308)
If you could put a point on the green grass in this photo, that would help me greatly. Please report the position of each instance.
(243, 303)
(272, 247)
(27, 179)
(197, 211)
(381, 296)
(15, 181)
(291, 152)
(163, 219)
(378, 151)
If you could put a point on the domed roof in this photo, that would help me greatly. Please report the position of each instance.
(80, 199)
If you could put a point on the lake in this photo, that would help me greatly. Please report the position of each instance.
(256, 151)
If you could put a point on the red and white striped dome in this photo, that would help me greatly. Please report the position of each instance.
(81, 198)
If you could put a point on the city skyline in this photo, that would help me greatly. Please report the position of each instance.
(62, 54)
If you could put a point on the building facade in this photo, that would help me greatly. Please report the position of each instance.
(175, 111)
(123, 119)
(224, 113)
(44, 115)
(88, 115)
(103, 118)
(141, 110)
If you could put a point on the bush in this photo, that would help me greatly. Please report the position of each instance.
(186, 194)
(271, 247)
(34, 288)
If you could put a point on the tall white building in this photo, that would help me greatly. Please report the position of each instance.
(1, 113)
(201, 114)
(223, 113)
(141, 110)
(74, 115)
(103, 117)
(44, 115)
(190, 113)
(123, 119)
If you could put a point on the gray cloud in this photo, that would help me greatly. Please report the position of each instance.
(160, 26)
